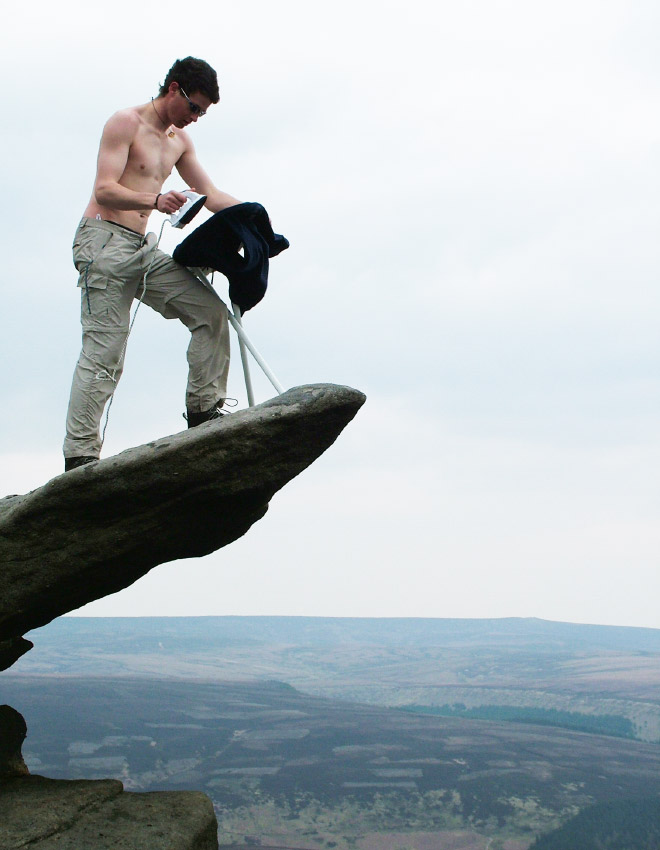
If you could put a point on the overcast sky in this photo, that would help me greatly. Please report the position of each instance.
(471, 191)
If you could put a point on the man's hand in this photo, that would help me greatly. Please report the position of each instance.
(170, 202)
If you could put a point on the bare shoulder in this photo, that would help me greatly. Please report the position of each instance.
(123, 125)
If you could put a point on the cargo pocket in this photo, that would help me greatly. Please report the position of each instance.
(89, 252)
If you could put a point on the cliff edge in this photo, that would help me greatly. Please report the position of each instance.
(97, 529)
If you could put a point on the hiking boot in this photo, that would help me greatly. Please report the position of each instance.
(194, 418)
(74, 462)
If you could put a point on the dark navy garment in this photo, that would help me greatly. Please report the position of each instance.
(216, 243)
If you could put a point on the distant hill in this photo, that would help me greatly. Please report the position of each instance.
(585, 677)
(330, 631)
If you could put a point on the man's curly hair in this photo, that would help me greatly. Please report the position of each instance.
(193, 75)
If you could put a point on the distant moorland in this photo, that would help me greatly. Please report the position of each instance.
(369, 734)
(520, 669)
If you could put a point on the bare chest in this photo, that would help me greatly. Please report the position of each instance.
(152, 156)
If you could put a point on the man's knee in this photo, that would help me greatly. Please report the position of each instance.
(212, 315)
(104, 349)
(218, 318)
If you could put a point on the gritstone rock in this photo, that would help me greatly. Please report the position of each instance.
(54, 814)
(97, 529)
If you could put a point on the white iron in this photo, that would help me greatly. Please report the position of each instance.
(189, 210)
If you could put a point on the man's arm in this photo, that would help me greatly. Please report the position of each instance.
(194, 175)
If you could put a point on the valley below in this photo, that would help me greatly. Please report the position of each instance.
(439, 735)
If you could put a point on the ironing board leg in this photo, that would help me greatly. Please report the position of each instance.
(244, 342)
(244, 357)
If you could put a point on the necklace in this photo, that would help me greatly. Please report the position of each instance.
(171, 132)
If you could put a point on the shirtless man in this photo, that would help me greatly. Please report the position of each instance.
(138, 150)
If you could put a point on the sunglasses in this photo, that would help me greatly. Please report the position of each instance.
(194, 108)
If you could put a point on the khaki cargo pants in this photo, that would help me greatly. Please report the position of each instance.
(112, 261)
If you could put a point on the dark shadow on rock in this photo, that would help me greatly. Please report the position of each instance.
(12, 734)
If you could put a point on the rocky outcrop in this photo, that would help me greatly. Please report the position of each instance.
(12, 734)
(36, 812)
(50, 814)
(97, 529)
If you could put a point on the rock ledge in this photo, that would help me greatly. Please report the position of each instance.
(52, 814)
(97, 529)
